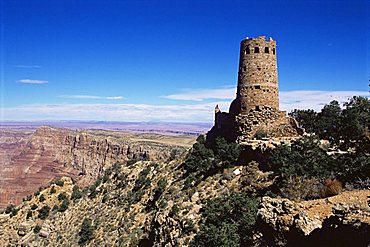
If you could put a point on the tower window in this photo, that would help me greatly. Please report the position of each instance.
(273, 51)
(256, 50)
(257, 87)
(247, 50)
(267, 50)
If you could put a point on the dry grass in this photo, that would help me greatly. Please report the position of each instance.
(332, 187)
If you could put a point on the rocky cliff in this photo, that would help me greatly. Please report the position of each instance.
(29, 161)
(151, 204)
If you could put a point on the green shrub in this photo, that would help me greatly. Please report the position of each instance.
(174, 210)
(63, 206)
(116, 167)
(34, 206)
(105, 178)
(42, 198)
(227, 221)
(134, 196)
(328, 121)
(191, 181)
(44, 212)
(189, 226)
(346, 127)
(204, 161)
(142, 181)
(225, 152)
(62, 196)
(105, 198)
(52, 190)
(161, 186)
(86, 233)
(162, 203)
(76, 193)
(306, 119)
(59, 182)
(122, 181)
(224, 235)
(29, 215)
(352, 166)
(130, 162)
(37, 229)
(303, 158)
(93, 187)
(38, 192)
(200, 159)
(9, 208)
(12, 210)
(174, 154)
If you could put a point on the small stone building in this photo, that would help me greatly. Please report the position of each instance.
(256, 106)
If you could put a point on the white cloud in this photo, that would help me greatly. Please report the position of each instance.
(202, 94)
(91, 97)
(198, 112)
(114, 97)
(114, 112)
(308, 99)
(289, 100)
(28, 66)
(29, 81)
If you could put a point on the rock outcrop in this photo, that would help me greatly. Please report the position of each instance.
(342, 220)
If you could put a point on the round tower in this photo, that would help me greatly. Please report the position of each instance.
(257, 76)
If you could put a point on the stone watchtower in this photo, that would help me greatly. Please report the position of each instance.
(256, 106)
(257, 76)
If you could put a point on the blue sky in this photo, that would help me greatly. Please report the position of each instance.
(172, 60)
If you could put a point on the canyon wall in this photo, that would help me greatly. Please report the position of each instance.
(30, 161)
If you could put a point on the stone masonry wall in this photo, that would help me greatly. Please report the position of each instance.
(274, 123)
(257, 76)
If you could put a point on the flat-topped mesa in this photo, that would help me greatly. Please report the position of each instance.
(257, 76)
(256, 106)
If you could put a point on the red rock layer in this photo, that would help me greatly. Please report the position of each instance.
(53, 152)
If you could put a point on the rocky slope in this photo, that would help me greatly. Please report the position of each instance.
(151, 204)
(29, 161)
(142, 204)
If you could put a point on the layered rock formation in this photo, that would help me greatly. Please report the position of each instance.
(30, 161)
